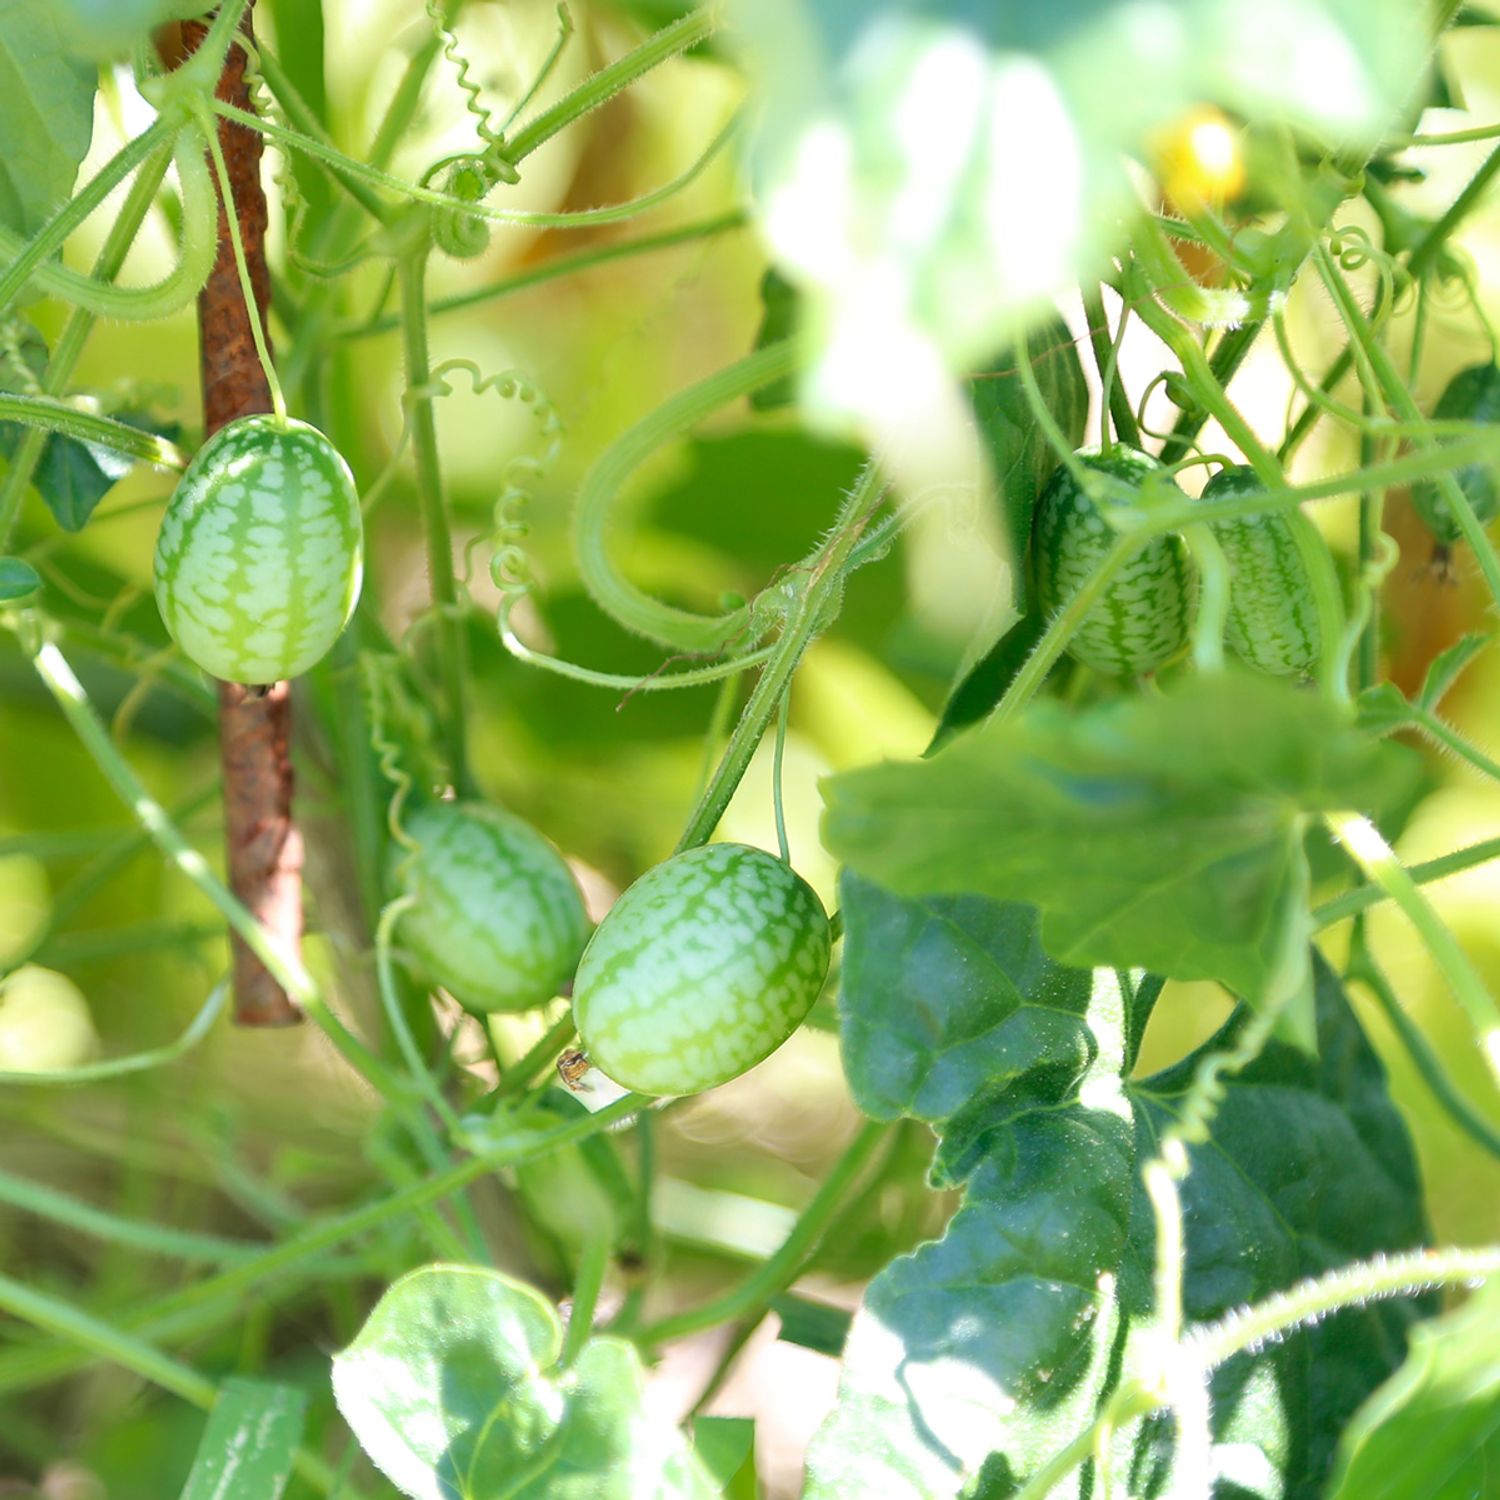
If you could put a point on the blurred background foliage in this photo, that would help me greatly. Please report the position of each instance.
(256, 1132)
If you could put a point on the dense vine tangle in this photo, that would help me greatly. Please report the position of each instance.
(180, 285)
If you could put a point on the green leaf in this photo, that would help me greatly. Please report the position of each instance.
(811, 1325)
(781, 309)
(726, 1448)
(249, 1444)
(103, 29)
(1382, 709)
(18, 580)
(1447, 666)
(1432, 1431)
(983, 685)
(1309, 1168)
(1019, 451)
(996, 1338)
(46, 113)
(977, 1357)
(1164, 833)
(454, 1390)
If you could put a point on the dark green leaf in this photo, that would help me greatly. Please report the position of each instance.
(46, 114)
(249, 1443)
(454, 1390)
(1432, 1431)
(782, 308)
(984, 684)
(18, 580)
(1022, 457)
(996, 1338)
(1309, 1167)
(811, 1325)
(979, 1356)
(1159, 833)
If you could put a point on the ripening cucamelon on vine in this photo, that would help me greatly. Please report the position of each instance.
(1273, 620)
(497, 919)
(1141, 620)
(1473, 395)
(704, 967)
(259, 557)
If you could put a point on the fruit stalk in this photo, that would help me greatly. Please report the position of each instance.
(262, 841)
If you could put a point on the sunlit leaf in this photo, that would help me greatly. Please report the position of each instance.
(454, 1389)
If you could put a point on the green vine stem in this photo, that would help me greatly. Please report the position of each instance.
(84, 1218)
(1378, 861)
(48, 240)
(54, 670)
(1399, 397)
(779, 1270)
(176, 289)
(821, 583)
(1361, 898)
(1362, 968)
(696, 26)
(1106, 357)
(346, 166)
(1316, 559)
(1449, 738)
(1213, 598)
(560, 266)
(593, 1263)
(69, 1323)
(48, 414)
(134, 1062)
(75, 332)
(632, 607)
(1349, 1286)
(444, 584)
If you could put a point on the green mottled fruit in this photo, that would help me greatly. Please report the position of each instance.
(1473, 395)
(498, 919)
(1273, 621)
(706, 965)
(259, 555)
(1141, 620)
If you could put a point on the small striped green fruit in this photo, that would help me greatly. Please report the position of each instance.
(498, 920)
(260, 551)
(704, 967)
(1142, 618)
(1473, 395)
(1273, 621)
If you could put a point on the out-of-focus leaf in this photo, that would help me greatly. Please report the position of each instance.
(779, 301)
(930, 172)
(1159, 833)
(1432, 1431)
(726, 1448)
(454, 1390)
(46, 112)
(103, 29)
(249, 1442)
(18, 580)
